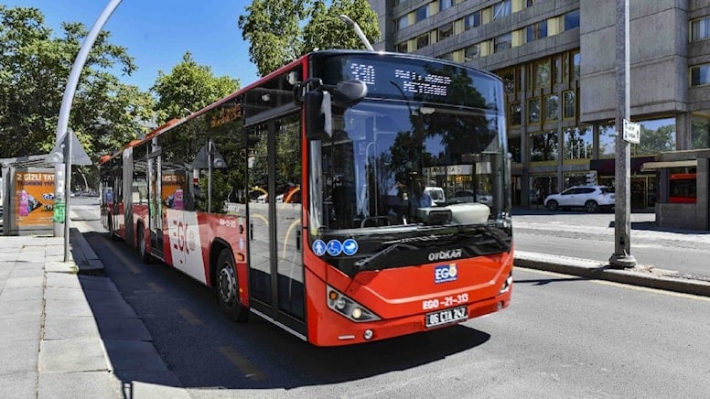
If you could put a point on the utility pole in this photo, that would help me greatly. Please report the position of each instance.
(622, 258)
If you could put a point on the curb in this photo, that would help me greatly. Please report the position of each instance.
(591, 269)
(86, 260)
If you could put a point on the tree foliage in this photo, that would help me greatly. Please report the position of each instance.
(279, 31)
(326, 30)
(189, 87)
(272, 28)
(34, 68)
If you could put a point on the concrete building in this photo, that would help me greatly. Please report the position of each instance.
(557, 59)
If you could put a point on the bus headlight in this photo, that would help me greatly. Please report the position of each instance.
(349, 308)
(506, 285)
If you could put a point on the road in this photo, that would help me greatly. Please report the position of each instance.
(562, 337)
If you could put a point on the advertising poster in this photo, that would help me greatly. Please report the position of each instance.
(34, 202)
(173, 190)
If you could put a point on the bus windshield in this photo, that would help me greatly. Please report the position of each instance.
(394, 170)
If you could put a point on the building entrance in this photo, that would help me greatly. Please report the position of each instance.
(643, 191)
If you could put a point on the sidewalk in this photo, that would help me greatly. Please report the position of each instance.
(66, 330)
(68, 333)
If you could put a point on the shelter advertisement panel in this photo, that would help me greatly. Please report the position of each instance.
(34, 202)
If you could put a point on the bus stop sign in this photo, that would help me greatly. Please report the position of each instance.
(632, 132)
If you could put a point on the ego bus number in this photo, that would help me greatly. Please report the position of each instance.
(430, 304)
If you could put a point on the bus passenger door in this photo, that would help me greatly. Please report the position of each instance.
(259, 236)
(276, 280)
(288, 212)
(155, 214)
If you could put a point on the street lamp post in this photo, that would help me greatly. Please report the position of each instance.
(60, 189)
(622, 258)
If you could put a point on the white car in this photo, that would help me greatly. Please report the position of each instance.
(591, 198)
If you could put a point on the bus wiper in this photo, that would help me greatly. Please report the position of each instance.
(498, 236)
(363, 263)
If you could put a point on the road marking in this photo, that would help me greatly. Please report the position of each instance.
(620, 285)
(191, 318)
(245, 366)
(155, 287)
(134, 269)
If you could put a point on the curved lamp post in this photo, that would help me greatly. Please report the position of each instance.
(60, 185)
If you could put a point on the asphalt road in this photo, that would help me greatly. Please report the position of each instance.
(561, 337)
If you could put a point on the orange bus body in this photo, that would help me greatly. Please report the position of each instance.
(402, 299)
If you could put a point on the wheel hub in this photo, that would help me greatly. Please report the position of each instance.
(227, 285)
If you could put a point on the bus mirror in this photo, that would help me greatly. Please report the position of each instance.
(318, 114)
(349, 92)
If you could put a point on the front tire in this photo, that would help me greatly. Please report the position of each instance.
(552, 205)
(227, 288)
(142, 249)
(111, 233)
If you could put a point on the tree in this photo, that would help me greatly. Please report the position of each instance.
(272, 28)
(326, 30)
(34, 68)
(189, 87)
(279, 31)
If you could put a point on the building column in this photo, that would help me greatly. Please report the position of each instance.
(683, 132)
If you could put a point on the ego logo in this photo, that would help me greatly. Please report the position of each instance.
(445, 273)
(182, 235)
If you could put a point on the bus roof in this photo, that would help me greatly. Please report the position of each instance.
(316, 54)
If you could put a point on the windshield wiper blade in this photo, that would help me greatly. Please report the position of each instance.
(497, 235)
(363, 264)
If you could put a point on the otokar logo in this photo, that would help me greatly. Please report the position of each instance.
(445, 273)
(445, 255)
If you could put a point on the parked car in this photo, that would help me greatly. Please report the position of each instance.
(591, 198)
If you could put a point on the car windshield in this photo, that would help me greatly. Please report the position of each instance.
(406, 164)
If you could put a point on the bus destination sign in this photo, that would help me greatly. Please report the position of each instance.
(415, 79)
(410, 81)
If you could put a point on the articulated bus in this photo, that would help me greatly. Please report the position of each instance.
(304, 197)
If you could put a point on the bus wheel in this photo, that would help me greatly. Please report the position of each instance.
(110, 229)
(228, 288)
(552, 205)
(140, 236)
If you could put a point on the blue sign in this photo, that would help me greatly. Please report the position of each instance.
(318, 247)
(335, 247)
(445, 273)
(350, 247)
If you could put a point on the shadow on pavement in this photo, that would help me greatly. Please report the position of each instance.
(218, 354)
(546, 281)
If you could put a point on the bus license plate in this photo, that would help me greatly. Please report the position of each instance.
(446, 316)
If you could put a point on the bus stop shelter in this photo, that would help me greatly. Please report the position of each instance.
(695, 214)
(27, 195)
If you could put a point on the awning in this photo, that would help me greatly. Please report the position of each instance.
(607, 166)
(688, 163)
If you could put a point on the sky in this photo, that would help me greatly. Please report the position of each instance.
(157, 33)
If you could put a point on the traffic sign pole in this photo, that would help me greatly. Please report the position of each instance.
(622, 258)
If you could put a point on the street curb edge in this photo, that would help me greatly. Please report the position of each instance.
(603, 272)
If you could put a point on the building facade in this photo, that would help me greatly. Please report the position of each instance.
(557, 59)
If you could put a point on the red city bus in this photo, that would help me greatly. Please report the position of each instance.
(300, 198)
(683, 188)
